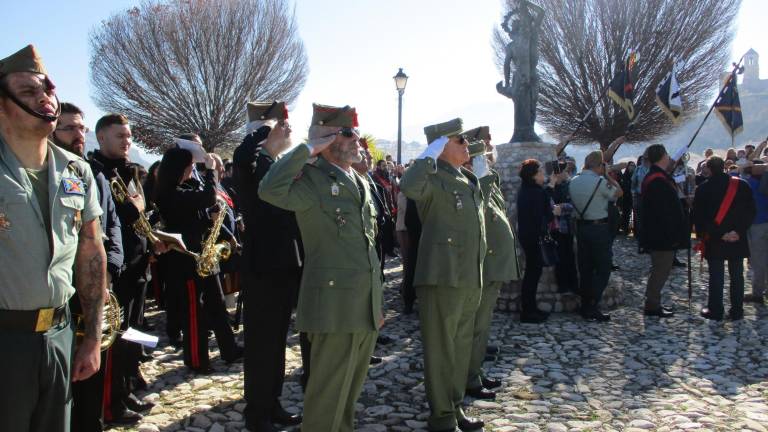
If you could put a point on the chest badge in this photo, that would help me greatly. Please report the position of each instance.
(5, 223)
(73, 186)
(335, 189)
(459, 204)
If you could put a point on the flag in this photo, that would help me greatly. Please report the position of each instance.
(622, 88)
(728, 106)
(668, 96)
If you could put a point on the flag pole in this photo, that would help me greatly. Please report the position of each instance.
(736, 67)
(583, 121)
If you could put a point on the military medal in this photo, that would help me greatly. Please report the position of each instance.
(335, 189)
(459, 204)
(340, 221)
(5, 223)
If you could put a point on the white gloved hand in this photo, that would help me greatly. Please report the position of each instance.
(434, 149)
(480, 166)
(210, 162)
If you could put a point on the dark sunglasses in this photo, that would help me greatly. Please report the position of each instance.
(462, 139)
(349, 132)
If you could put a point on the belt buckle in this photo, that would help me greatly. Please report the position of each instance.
(44, 319)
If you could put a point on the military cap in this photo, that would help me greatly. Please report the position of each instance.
(447, 129)
(476, 148)
(262, 111)
(479, 133)
(330, 116)
(25, 60)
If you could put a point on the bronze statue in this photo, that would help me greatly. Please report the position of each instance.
(522, 84)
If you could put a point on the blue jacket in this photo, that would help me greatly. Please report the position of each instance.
(111, 227)
(761, 200)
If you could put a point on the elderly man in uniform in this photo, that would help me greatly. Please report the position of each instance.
(448, 276)
(500, 264)
(591, 193)
(49, 236)
(87, 395)
(340, 299)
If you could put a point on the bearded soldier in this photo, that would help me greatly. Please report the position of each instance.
(340, 298)
(448, 276)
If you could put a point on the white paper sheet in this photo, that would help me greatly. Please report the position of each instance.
(133, 335)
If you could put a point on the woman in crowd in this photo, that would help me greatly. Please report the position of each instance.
(626, 200)
(565, 269)
(185, 205)
(534, 214)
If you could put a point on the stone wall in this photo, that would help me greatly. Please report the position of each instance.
(510, 158)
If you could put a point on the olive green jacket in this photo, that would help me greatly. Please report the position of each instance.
(341, 287)
(450, 206)
(500, 263)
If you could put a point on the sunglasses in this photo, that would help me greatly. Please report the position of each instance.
(348, 132)
(462, 139)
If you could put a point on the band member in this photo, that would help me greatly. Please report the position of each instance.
(87, 395)
(448, 276)
(189, 207)
(340, 299)
(273, 256)
(50, 238)
(592, 194)
(723, 210)
(122, 359)
(665, 227)
(500, 264)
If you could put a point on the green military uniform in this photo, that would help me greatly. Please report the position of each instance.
(500, 264)
(340, 299)
(448, 277)
(41, 213)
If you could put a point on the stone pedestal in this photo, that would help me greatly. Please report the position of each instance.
(510, 158)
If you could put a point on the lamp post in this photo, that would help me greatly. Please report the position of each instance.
(401, 79)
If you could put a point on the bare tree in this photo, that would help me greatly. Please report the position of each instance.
(190, 65)
(582, 43)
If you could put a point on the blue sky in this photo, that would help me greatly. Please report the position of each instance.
(354, 49)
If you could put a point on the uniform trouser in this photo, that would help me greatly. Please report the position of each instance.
(339, 368)
(35, 395)
(447, 321)
(717, 281)
(661, 266)
(203, 305)
(594, 246)
(758, 249)
(406, 289)
(267, 317)
(481, 331)
(87, 399)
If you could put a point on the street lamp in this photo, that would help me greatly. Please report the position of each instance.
(401, 79)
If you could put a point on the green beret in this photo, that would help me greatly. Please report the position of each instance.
(447, 129)
(24, 60)
(476, 148)
(479, 133)
(261, 111)
(324, 115)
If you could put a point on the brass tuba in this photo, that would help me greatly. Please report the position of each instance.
(120, 194)
(213, 252)
(110, 326)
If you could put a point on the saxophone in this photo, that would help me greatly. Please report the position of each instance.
(120, 194)
(213, 252)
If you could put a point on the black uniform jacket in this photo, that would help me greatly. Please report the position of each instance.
(664, 223)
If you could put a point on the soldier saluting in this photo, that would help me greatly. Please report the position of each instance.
(341, 294)
(448, 277)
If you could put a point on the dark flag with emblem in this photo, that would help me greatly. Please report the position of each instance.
(668, 96)
(728, 106)
(622, 88)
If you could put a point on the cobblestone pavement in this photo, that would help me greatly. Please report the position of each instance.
(631, 374)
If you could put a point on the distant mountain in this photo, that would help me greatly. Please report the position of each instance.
(410, 150)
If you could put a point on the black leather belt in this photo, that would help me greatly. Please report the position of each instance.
(37, 321)
(593, 221)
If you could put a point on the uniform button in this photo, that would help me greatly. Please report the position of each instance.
(331, 283)
(450, 240)
(490, 251)
(338, 210)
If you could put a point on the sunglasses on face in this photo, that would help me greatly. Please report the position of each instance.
(462, 139)
(348, 132)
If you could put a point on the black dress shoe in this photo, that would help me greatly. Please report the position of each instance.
(751, 298)
(596, 316)
(614, 267)
(481, 393)
(134, 404)
(470, 424)
(384, 340)
(708, 314)
(678, 263)
(533, 318)
(375, 360)
(283, 417)
(489, 357)
(661, 313)
(236, 357)
(490, 383)
(125, 418)
(735, 316)
(262, 426)
(203, 370)
(492, 349)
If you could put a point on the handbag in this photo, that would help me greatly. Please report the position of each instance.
(548, 247)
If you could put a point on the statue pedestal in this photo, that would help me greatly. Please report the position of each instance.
(511, 157)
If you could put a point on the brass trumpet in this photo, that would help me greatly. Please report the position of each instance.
(110, 326)
(120, 194)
